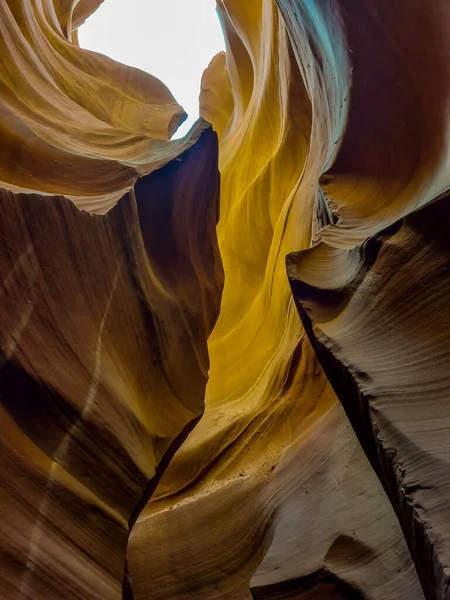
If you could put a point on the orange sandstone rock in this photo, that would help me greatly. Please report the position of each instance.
(150, 452)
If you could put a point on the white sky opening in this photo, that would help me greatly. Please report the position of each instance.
(172, 39)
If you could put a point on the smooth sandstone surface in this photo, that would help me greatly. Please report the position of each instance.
(395, 397)
(83, 333)
(224, 359)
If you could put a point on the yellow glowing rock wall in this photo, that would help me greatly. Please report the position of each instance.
(207, 448)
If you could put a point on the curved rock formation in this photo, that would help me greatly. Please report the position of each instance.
(394, 386)
(105, 316)
(150, 452)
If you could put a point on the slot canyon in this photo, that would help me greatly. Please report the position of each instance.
(225, 358)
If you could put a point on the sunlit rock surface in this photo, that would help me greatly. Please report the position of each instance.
(246, 407)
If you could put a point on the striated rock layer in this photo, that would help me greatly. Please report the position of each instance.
(394, 385)
(271, 484)
(105, 316)
(375, 287)
(170, 427)
(84, 332)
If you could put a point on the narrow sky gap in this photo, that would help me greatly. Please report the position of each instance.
(171, 39)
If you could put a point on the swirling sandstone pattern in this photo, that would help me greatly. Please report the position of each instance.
(122, 475)
(376, 287)
(105, 316)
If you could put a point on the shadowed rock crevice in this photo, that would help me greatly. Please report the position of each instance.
(416, 494)
(322, 585)
(161, 401)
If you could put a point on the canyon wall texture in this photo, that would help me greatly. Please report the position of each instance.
(224, 359)
(107, 301)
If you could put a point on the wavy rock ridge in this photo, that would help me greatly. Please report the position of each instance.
(171, 429)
